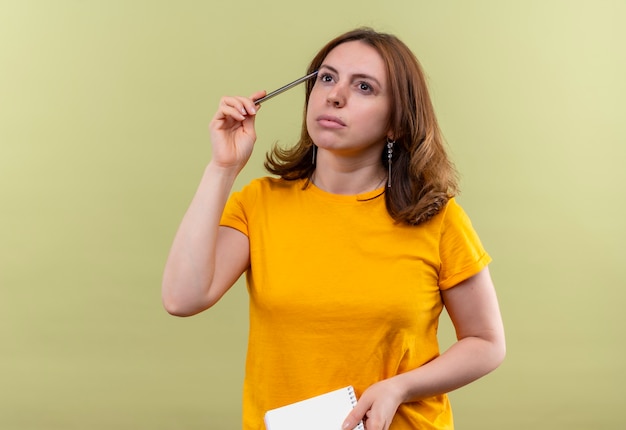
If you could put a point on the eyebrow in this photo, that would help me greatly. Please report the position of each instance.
(356, 75)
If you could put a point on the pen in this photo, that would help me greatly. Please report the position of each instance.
(286, 87)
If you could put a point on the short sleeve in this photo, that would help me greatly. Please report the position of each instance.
(235, 215)
(461, 251)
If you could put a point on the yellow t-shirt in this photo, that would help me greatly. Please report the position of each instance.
(341, 295)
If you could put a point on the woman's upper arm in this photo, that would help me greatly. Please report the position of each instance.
(232, 259)
(196, 291)
(473, 308)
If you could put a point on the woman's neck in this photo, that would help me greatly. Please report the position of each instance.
(348, 176)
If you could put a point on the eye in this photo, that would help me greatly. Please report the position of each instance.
(325, 77)
(365, 87)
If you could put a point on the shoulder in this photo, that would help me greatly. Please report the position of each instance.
(268, 184)
(267, 188)
(454, 225)
(453, 213)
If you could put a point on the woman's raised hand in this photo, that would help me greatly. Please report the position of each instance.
(232, 131)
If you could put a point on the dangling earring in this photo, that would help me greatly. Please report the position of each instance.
(314, 155)
(389, 155)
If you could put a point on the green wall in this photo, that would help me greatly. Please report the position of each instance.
(104, 107)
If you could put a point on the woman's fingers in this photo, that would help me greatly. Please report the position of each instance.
(238, 108)
(232, 130)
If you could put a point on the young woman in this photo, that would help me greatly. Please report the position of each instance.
(350, 252)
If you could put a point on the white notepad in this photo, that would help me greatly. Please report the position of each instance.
(324, 412)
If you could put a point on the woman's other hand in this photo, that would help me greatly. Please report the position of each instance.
(376, 407)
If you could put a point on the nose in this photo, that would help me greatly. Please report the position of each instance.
(336, 96)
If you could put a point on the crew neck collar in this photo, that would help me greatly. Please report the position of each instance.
(348, 198)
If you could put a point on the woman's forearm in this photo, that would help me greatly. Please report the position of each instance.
(464, 362)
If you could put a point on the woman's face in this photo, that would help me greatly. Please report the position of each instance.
(349, 106)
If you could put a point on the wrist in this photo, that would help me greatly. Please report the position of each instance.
(228, 173)
(402, 388)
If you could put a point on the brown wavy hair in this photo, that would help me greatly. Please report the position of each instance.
(423, 178)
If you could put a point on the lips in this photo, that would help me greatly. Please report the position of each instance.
(330, 121)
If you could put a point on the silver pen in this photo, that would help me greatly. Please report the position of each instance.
(285, 88)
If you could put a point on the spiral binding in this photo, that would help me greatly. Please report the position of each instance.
(353, 401)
